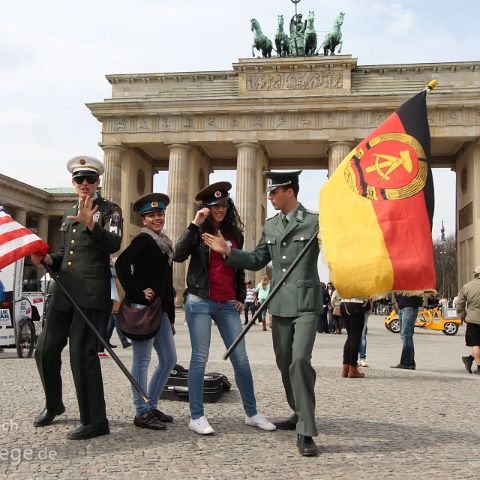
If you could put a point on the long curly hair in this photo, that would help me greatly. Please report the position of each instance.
(231, 227)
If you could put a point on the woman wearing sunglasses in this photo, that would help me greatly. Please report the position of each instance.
(215, 290)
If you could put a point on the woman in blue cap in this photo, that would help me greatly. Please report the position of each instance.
(215, 290)
(145, 272)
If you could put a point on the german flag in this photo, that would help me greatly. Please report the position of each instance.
(376, 210)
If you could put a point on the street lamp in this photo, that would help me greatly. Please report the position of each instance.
(443, 252)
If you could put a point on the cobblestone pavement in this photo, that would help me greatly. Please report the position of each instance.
(391, 425)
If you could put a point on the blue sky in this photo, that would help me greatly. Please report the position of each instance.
(55, 55)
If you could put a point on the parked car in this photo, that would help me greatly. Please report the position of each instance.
(431, 318)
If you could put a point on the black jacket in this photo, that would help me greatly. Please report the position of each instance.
(150, 270)
(190, 244)
(408, 301)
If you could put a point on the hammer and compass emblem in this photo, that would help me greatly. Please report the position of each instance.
(390, 166)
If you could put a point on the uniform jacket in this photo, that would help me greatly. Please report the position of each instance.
(301, 294)
(83, 261)
(468, 302)
(150, 270)
(190, 244)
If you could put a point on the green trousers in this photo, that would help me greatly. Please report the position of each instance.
(60, 327)
(293, 340)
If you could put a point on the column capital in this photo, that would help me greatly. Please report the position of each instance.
(179, 145)
(115, 147)
(341, 143)
(254, 145)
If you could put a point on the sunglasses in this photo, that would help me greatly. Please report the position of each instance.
(219, 205)
(91, 179)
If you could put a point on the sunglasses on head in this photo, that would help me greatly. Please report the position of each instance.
(91, 179)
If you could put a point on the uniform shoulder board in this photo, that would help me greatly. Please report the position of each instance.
(311, 211)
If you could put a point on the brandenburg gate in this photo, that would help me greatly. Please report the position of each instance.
(279, 113)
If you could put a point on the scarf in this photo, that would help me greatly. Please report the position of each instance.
(163, 242)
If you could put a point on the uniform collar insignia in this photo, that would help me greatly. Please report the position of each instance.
(300, 215)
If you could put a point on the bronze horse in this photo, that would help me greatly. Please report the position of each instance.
(260, 41)
(334, 38)
(282, 42)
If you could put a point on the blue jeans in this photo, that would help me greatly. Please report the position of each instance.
(362, 351)
(331, 328)
(407, 317)
(113, 323)
(167, 357)
(199, 312)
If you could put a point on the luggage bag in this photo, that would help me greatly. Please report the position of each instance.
(214, 384)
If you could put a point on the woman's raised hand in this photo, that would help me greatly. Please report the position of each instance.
(200, 216)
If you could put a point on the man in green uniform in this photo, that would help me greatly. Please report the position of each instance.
(91, 230)
(299, 302)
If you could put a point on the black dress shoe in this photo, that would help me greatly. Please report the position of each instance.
(287, 424)
(163, 417)
(48, 416)
(149, 420)
(404, 367)
(468, 361)
(126, 345)
(306, 446)
(89, 431)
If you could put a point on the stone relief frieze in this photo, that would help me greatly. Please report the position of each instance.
(291, 120)
(144, 124)
(256, 82)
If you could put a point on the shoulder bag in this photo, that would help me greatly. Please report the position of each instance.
(140, 323)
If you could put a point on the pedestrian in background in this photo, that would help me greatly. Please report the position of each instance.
(408, 306)
(352, 311)
(262, 291)
(468, 308)
(249, 305)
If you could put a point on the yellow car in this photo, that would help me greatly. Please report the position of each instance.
(430, 318)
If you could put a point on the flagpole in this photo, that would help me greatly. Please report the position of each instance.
(275, 290)
(117, 360)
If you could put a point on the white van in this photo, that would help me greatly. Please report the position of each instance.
(22, 309)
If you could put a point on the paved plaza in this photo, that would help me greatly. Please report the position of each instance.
(392, 424)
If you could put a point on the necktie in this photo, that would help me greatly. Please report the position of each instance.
(285, 221)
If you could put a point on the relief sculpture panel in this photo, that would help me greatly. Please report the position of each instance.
(327, 80)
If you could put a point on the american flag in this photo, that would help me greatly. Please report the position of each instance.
(16, 241)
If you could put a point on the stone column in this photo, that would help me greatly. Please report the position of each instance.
(246, 198)
(43, 227)
(21, 216)
(337, 151)
(112, 178)
(177, 220)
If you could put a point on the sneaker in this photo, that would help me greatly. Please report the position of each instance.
(259, 420)
(363, 362)
(467, 361)
(201, 426)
